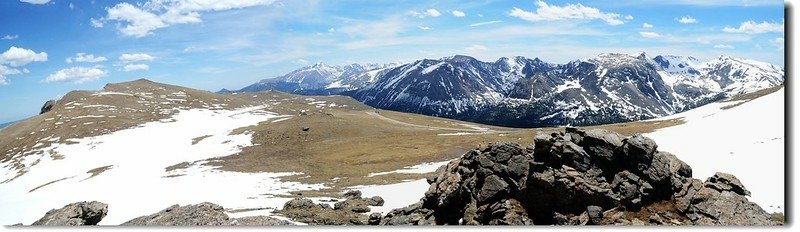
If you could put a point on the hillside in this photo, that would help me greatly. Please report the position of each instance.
(158, 137)
(261, 150)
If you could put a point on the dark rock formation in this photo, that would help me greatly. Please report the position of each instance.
(47, 107)
(568, 178)
(75, 214)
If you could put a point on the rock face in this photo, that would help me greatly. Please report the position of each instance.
(570, 178)
(203, 214)
(75, 214)
(47, 106)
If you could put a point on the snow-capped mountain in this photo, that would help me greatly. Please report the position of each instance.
(447, 87)
(322, 79)
(517, 91)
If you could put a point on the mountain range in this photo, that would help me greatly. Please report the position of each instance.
(523, 92)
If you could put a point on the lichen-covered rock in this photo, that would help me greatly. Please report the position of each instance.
(75, 214)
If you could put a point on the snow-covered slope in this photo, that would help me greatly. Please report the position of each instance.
(323, 79)
(746, 140)
(127, 169)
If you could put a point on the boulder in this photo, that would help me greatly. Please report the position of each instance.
(595, 214)
(375, 201)
(722, 201)
(347, 212)
(299, 203)
(352, 194)
(47, 107)
(75, 214)
(374, 219)
(203, 214)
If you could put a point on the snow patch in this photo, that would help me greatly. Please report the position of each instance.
(746, 141)
(137, 184)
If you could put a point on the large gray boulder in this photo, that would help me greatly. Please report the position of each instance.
(75, 214)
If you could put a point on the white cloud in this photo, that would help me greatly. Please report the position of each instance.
(139, 23)
(647, 25)
(77, 74)
(779, 43)
(135, 67)
(135, 57)
(424, 28)
(648, 34)
(6, 71)
(38, 2)
(16, 57)
(686, 20)
(476, 48)
(432, 13)
(332, 30)
(458, 13)
(629, 17)
(546, 12)
(751, 27)
(485, 23)
(427, 13)
(71, 6)
(83, 57)
(154, 14)
(723, 46)
(10, 37)
(96, 23)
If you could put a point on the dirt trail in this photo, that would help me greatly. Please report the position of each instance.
(391, 120)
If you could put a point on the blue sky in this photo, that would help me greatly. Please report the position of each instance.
(50, 47)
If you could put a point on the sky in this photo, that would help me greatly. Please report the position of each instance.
(51, 47)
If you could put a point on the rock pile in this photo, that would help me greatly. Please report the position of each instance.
(348, 212)
(578, 177)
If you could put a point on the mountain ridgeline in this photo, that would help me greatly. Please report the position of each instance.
(523, 92)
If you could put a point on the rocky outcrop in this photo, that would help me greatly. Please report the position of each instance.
(47, 107)
(203, 214)
(578, 177)
(75, 214)
(348, 212)
(721, 201)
